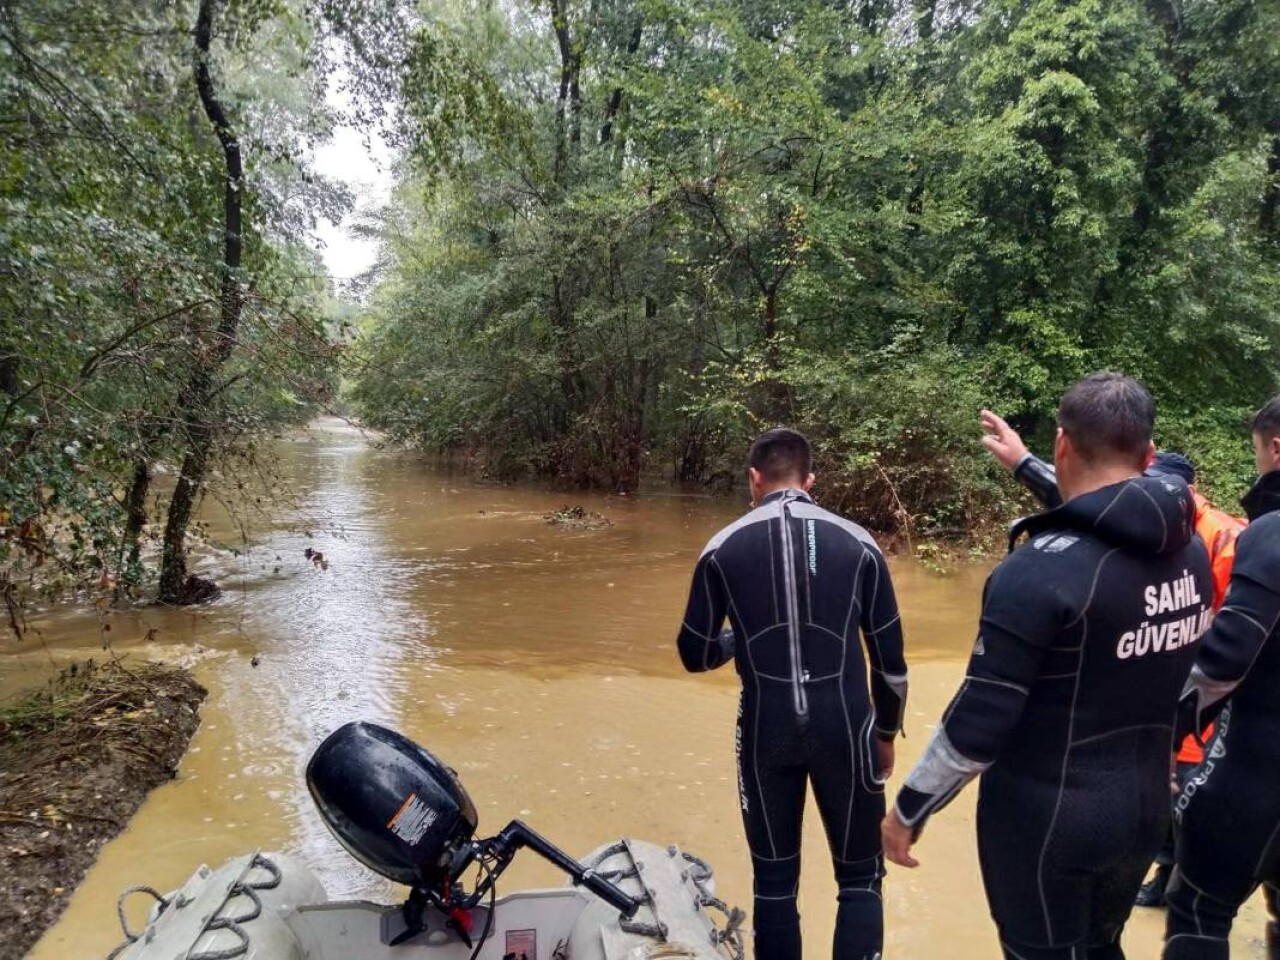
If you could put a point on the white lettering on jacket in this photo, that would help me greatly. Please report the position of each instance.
(1172, 595)
(1168, 597)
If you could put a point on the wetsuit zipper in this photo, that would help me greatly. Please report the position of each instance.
(793, 610)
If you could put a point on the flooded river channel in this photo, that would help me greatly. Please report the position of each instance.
(539, 662)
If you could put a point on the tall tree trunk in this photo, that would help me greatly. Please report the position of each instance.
(615, 98)
(136, 516)
(633, 450)
(777, 398)
(1271, 192)
(561, 311)
(9, 381)
(212, 352)
(135, 504)
(569, 94)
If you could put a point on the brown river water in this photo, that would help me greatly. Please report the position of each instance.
(537, 661)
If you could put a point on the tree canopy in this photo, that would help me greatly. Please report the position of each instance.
(625, 235)
(159, 302)
(633, 232)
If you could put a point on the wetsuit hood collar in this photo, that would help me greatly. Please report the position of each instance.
(790, 493)
(1263, 496)
(1145, 515)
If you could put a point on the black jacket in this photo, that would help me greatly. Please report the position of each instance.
(797, 583)
(1239, 656)
(1086, 637)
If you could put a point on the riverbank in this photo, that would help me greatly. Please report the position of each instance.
(77, 758)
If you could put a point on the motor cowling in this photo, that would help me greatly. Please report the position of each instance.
(393, 805)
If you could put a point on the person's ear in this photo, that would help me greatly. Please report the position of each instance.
(1150, 458)
(1275, 449)
(808, 483)
(755, 477)
(1061, 444)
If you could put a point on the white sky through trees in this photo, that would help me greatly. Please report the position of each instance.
(363, 161)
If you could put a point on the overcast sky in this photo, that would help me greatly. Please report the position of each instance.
(366, 169)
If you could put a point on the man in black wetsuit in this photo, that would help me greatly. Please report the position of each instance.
(1067, 710)
(1218, 531)
(1229, 811)
(797, 583)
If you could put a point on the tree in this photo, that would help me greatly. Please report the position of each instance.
(213, 347)
(113, 287)
(854, 217)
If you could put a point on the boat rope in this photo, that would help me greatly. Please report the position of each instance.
(655, 931)
(241, 888)
(701, 871)
(730, 935)
(701, 876)
(130, 937)
(226, 953)
(611, 851)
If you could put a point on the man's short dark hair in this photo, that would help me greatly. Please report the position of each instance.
(1108, 417)
(1266, 422)
(781, 454)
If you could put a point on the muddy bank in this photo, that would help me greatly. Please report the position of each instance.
(77, 758)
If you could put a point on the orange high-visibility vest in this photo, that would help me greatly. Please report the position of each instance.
(1219, 531)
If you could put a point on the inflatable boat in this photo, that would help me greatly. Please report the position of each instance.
(403, 813)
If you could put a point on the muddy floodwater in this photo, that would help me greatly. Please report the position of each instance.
(539, 662)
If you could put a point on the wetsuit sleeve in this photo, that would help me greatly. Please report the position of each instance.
(1248, 617)
(882, 633)
(702, 643)
(1022, 614)
(1040, 478)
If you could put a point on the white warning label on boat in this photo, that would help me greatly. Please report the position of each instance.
(522, 944)
(412, 820)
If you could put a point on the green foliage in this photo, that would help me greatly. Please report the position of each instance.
(896, 437)
(111, 237)
(638, 231)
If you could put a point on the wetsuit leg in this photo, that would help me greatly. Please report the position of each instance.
(1166, 856)
(776, 918)
(1218, 857)
(845, 772)
(1229, 825)
(1105, 951)
(1018, 951)
(1108, 951)
(1040, 915)
(771, 786)
(1062, 862)
(1198, 925)
(1112, 902)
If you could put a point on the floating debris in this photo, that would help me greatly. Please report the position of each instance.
(578, 518)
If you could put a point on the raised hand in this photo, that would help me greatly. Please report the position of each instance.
(1002, 440)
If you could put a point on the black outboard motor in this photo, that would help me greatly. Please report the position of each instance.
(394, 806)
(401, 812)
